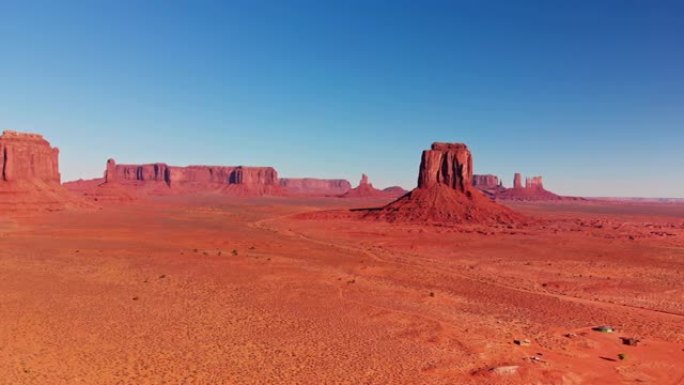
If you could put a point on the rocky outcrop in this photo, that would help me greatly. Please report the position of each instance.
(534, 183)
(533, 190)
(28, 158)
(313, 186)
(253, 176)
(445, 193)
(365, 189)
(488, 184)
(517, 180)
(123, 173)
(486, 181)
(162, 179)
(29, 175)
(448, 164)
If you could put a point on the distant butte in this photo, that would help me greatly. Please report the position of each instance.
(532, 190)
(365, 189)
(445, 193)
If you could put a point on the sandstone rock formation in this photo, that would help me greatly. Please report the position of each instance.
(517, 180)
(449, 164)
(486, 181)
(28, 157)
(162, 179)
(534, 183)
(29, 174)
(365, 189)
(532, 191)
(313, 186)
(445, 193)
(489, 184)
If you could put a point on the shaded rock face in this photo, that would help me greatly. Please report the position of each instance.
(517, 180)
(445, 193)
(449, 164)
(156, 172)
(315, 186)
(266, 176)
(28, 158)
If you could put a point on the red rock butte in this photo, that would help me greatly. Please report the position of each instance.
(29, 178)
(445, 192)
(28, 157)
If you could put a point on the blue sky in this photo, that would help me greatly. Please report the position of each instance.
(589, 94)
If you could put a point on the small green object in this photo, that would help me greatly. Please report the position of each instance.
(604, 329)
(622, 356)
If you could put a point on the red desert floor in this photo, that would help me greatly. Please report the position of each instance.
(225, 291)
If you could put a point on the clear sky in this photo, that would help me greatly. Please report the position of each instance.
(589, 94)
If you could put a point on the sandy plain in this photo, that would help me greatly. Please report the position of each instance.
(213, 290)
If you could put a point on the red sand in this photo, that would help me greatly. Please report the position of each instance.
(225, 291)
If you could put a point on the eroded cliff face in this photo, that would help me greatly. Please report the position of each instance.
(517, 180)
(28, 158)
(160, 178)
(313, 186)
(29, 176)
(448, 164)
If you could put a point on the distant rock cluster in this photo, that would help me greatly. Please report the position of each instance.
(447, 188)
(532, 190)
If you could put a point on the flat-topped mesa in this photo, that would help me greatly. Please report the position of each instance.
(534, 183)
(488, 184)
(486, 181)
(165, 179)
(313, 186)
(266, 176)
(449, 164)
(26, 157)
